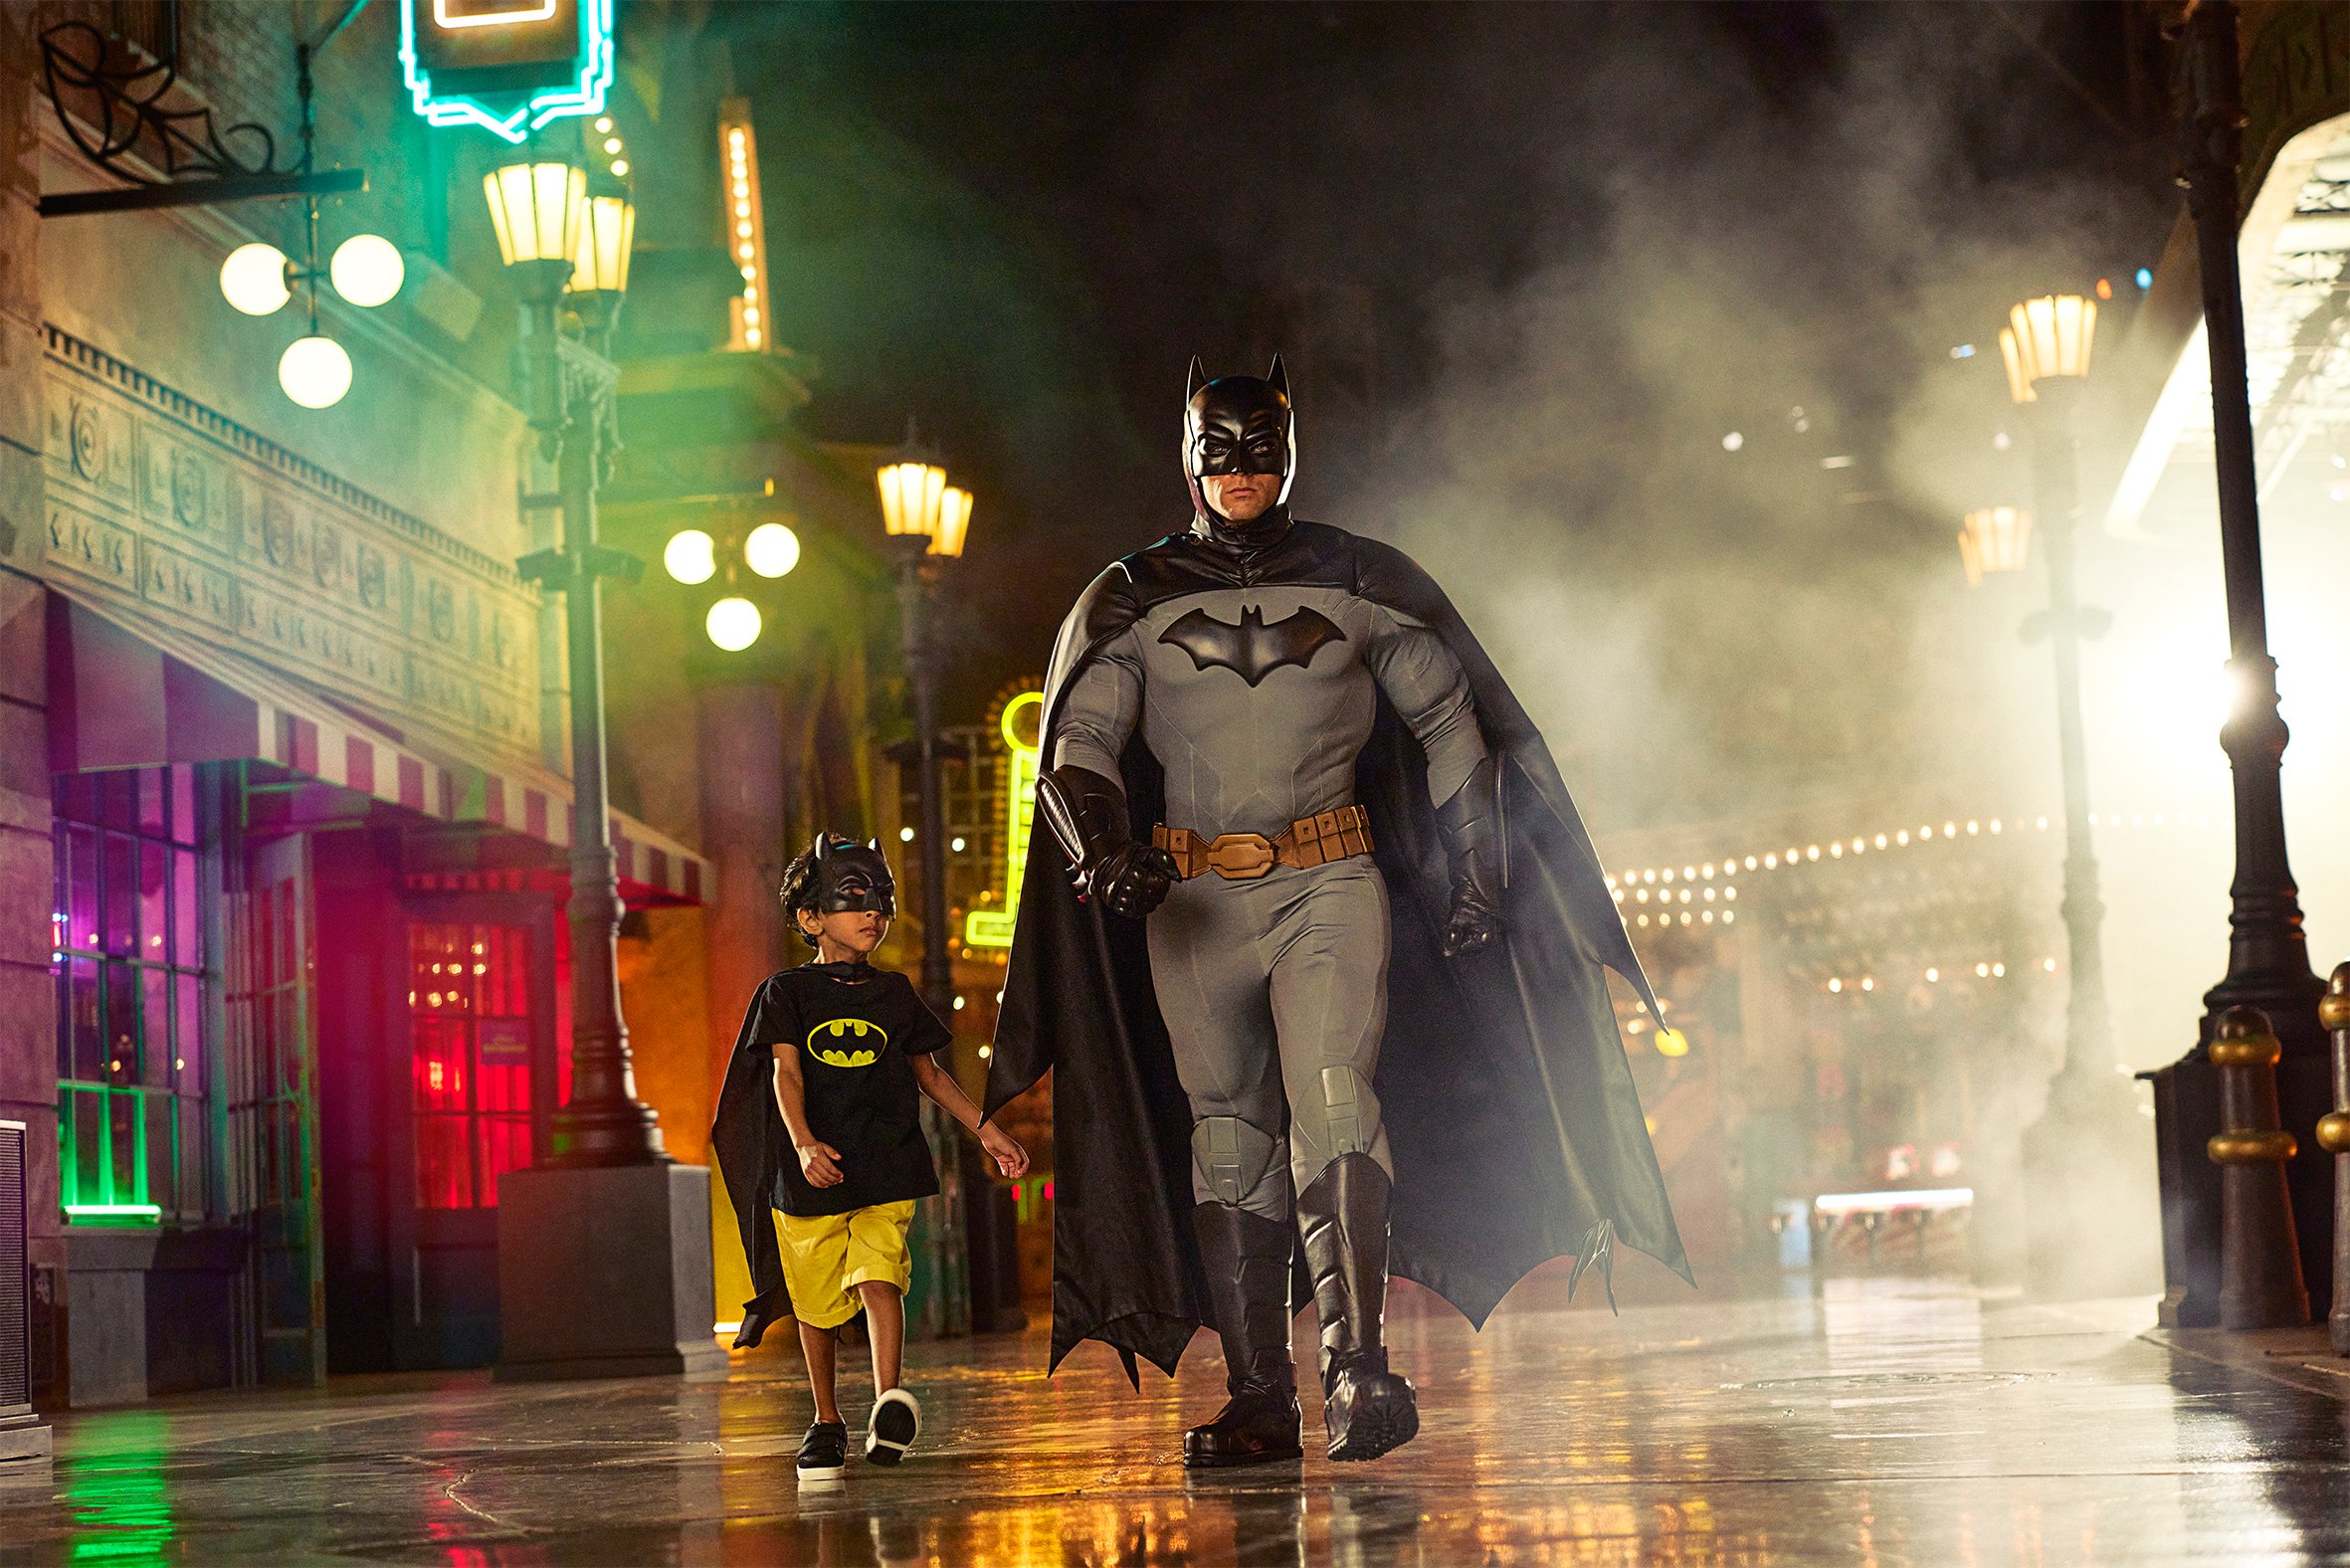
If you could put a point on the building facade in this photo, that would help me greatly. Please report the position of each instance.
(284, 749)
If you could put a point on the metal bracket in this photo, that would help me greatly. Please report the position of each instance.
(563, 569)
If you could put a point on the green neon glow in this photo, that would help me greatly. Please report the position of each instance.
(993, 928)
(510, 116)
(113, 1211)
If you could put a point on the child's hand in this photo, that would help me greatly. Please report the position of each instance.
(818, 1162)
(1009, 1156)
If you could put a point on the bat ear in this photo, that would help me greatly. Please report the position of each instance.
(1277, 377)
(1197, 379)
(821, 848)
(873, 845)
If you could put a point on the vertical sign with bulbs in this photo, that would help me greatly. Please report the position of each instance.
(746, 226)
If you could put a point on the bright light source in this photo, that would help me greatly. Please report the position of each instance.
(690, 556)
(1963, 351)
(956, 844)
(366, 269)
(732, 623)
(620, 168)
(611, 144)
(604, 124)
(1936, 1198)
(905, 835)
(1836, 985)
(314, 371)
(253, 279)
(1733, 440)
(2146, 278)
(772, 549)
(1994, 539)
(1672, 1043)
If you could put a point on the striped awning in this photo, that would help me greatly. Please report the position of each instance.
(124, 697)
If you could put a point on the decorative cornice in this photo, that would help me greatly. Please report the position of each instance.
(133, 382)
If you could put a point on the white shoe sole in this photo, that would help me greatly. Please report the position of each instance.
(897, 1422)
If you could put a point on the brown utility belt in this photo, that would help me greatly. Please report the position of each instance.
(1242, 856)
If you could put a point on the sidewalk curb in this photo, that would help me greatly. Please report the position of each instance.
(2296, 1357)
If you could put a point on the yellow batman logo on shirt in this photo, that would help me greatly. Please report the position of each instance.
(826, 1043)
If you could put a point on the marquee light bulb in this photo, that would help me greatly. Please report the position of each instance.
(367, 269)
(733, 623)
(314, 371)
(772, 549)
(253, 279)
(690, 556)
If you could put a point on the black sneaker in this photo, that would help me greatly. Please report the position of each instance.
(823, 1453)
(898, 1417)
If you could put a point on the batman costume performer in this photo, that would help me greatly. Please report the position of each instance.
(1328, 975)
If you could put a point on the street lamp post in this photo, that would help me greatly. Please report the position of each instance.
(603, 1244)
(2267, 951)
(549, 242)
(926, 520)
(2075, 1154)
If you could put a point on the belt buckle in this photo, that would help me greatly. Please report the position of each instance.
(1241, 857)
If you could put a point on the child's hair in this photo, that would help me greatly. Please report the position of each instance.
(799, 890)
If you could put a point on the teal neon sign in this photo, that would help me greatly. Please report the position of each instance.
(508, 67)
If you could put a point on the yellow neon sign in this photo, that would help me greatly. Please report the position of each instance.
(1022, 717)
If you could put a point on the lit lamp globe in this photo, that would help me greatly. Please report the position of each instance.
(732, 623)
(314, 371)
(690, 556)
(367, 269)
(253, 279)
(772, 549)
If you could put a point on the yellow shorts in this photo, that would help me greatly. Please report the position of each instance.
(827, 1256)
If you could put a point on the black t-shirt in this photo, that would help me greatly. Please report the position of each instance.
(855, 1030)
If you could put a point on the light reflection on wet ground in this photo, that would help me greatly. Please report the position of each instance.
(1880, 1422)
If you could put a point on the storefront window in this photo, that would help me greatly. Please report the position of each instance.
(469, 999)
(133, 1139)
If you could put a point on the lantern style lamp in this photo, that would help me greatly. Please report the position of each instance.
(1994, 539)
(2045, 337)
(913, 494)
(954, 521)
(538, 209)
(600, 266)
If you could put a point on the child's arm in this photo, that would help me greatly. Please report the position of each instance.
(819, 1161)
(937, 1083)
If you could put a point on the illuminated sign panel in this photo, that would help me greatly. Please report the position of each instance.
(510, 67)
(1022, 745)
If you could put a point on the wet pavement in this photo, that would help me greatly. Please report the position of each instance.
(1876, 1422)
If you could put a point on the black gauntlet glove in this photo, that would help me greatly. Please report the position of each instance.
(1087, 814)
(1472, 825)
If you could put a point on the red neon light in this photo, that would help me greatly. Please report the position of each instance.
(1047, 1192)
(434, 1076)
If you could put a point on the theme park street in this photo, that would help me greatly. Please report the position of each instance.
(1880, 1422)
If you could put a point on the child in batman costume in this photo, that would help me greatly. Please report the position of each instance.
(835, 1144)
(1328, 975)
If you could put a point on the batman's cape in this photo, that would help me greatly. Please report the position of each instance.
(747, 1137)
(1510, 1106)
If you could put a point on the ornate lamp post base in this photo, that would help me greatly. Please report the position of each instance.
(605, 1274)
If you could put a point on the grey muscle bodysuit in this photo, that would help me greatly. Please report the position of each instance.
(1273, 990)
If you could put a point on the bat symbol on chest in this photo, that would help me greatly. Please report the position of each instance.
(1252, 649)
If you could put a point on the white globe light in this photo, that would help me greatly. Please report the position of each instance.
(772, 549)
(690, 556)
(733, 623)
(366, 269)
(314, 371)
(253, 279)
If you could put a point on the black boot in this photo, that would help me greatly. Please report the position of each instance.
(1247, 1258)
(1367, 1410)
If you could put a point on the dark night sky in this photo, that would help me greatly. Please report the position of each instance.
(1462, 223)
